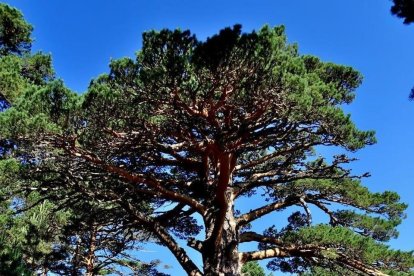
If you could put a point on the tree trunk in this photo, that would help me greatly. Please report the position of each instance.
(76, 257)
(220, 249)
(90, 259)
(45, 270)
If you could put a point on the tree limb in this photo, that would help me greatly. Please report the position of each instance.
(259, 212)
(135, 178)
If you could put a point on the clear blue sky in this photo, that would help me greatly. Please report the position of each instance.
(84, 35)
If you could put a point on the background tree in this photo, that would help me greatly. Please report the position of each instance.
(36, 235)
(14, 32)
(404, 9)
(18, 70)
(190, 128)
(99, 243)
(252, 269)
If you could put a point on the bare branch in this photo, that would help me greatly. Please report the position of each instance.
(259, 212)
(195, 244)
(264, 254)
(333, 218)
(253, 236)
(307, 210)
(155, 227)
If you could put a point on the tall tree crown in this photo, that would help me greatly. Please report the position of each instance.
(404, 9)
(190, 127)
(14, 31)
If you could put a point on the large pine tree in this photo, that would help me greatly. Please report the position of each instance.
(19, 70)
(173, 140)
(41, 233)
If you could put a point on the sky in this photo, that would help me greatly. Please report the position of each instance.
(83, 36)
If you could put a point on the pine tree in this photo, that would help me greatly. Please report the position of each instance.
(175, 138)
(14, 32)
(36, 235)
(19, 70)
(252, 269)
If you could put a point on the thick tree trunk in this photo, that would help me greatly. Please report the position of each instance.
(220, 250)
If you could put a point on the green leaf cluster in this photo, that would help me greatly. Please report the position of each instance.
(15, 32)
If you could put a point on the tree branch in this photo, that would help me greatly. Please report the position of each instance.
(155, 227)
(306, 252)
(195, 244)
(307, 210)
(333, 218)
(259, 212)
(253, 236)
(135, 178)
(264, 254)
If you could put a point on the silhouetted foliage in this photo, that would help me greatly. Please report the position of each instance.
(404, 9)
(411, 97)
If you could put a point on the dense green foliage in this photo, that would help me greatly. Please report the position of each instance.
(181, 133)
(14, 32)
(253, 269)
(36, 235)
(19, 70)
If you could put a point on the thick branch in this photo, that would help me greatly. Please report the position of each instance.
(253, 236)
(259, 212)
(195, 244)
(166, 216)
(166, 239)
(345, 261)
(309, 252)
(307, 210)
(264, 254)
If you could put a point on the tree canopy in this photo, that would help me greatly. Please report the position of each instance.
(14, 31)
(252, 269)
(404, 9)
(36, 235)
(164, 147)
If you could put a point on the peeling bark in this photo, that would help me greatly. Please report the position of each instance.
(220, 256)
